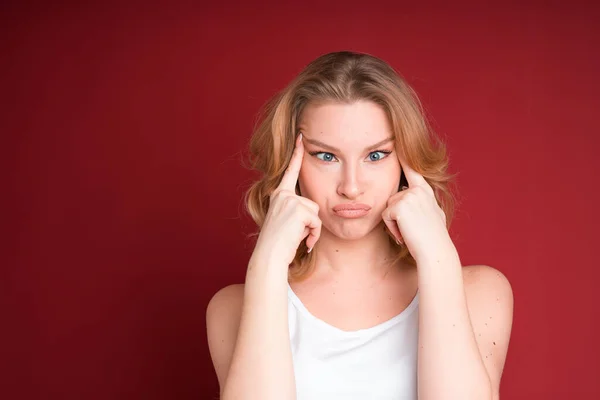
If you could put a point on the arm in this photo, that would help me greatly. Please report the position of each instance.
(248, 336)
(261, 365)
(490, 302)
(222, 324)
(464, 329)
(454, 361)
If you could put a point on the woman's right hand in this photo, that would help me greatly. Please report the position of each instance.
(290, 217)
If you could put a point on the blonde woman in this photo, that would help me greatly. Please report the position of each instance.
(355, 289)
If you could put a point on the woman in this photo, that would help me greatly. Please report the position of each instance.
(355, 289)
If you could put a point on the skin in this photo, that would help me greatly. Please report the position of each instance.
(353, 286)
(347, 175)
(465, 313)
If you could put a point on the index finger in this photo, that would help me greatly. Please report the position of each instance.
(290, 177)
(412, 177)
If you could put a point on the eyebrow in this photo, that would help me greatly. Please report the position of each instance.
(331, 148)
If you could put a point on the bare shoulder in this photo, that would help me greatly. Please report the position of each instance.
(226, 297)
(477, 275)
(489, 298)
(483, 280)
(488, 293)
(223, 315)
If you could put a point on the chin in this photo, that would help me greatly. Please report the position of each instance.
(352, 229)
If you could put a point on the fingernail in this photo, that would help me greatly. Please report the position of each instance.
(300, 136)
(309, 250)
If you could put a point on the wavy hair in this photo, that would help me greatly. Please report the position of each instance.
(344, 77)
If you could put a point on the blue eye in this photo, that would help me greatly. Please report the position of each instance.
(379, 157)
(328, 157)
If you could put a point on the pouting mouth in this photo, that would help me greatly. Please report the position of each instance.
(351, 206)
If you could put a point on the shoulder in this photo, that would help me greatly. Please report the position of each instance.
(490, 303)
(488, 292)
(223, 315)
(481, 281)
(224, 297)
(225, 306)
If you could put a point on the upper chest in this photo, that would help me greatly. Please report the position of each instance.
(351, 307)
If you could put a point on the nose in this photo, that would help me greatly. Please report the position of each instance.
(350, 185)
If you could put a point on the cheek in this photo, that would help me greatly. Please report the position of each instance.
(312, 184)
(305, 181)
(388, 183)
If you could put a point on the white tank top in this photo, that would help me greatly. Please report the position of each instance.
(377, 363)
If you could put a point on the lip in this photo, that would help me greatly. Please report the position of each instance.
(351, 210)
(351, 206)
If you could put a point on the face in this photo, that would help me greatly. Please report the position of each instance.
(349, 159)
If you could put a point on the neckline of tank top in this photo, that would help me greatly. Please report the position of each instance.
(381, 326)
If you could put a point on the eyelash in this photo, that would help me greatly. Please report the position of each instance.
(386, 152)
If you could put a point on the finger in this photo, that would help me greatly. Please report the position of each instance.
(296, 200)
(397, 196)
(290, 177)
(309, 203)
(313, 223)
(412, 177)
(391, 224)
(394, 236)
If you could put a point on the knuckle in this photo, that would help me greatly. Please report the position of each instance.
(398, 211)
(419, 190)
(395, 197)
(280, 195)
(290, 201)
(409, 196)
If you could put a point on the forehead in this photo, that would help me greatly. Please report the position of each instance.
(361, 122)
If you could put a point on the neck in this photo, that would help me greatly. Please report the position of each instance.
(354, 260)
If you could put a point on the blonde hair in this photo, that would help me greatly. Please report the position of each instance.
(344, 77)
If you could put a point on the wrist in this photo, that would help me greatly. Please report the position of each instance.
(268, 264)
(443, 254)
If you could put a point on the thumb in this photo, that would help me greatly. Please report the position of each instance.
(393, 228)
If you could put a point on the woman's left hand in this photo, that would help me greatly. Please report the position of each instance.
(415, 218)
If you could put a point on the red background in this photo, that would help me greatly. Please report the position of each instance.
(123, 129)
